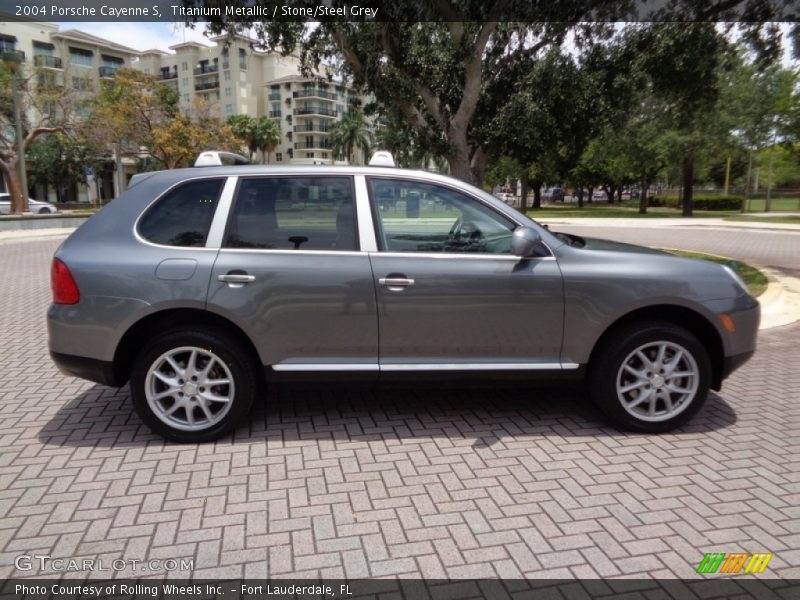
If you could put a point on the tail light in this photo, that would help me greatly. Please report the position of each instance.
(65, 290)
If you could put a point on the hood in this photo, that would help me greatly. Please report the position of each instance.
(600, 244)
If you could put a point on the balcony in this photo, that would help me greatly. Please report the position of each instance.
(206, 85)
(312, 127)
(15, 56)
(107, 72)
(50, 62)
(314, 94)
(167, 75)
(321, 144)
(316, 110)
(275, 97)
(205, 69)
(274, 113)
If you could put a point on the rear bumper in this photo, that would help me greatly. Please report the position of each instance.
(99, 371)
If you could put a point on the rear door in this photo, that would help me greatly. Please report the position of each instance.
(291, 273)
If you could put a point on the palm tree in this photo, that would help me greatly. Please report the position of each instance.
(242, 127)
(350, 133)
(266, 135)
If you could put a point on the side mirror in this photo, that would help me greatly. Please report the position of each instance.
(524, 242)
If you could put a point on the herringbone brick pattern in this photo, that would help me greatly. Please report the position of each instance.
(349, 482)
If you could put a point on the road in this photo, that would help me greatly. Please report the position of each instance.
(346, 482)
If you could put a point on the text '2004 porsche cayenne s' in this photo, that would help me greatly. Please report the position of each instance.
(200, 286)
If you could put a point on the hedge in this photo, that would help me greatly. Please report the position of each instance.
(700, 202)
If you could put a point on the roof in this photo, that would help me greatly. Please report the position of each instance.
(155, 51)
(189, 45)
(300, 78)
(87, 38)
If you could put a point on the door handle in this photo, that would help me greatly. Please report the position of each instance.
(396, 284)
(236, 279)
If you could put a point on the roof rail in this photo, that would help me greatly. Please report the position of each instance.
(381, 158)
(217, 158)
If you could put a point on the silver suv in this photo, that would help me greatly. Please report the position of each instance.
(202, 285)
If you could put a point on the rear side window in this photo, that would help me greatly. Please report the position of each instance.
(183, 216)
(293, 213)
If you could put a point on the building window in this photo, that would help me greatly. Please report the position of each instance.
(147, 71)
(81, 84)
(309, 155)
(324, 155)
(78, 56)
(242, 59)
(227, 75)
(229, 109)
(185, 82)
(8, 43)
(278, 157)
(184, 66)
(227, 91)
(186, 98)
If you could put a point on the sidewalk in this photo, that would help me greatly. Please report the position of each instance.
(668, 222)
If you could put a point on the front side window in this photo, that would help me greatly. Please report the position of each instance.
(183, 215)
(293, 213)
(421, 217)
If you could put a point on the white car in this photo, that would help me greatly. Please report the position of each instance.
(34, 206)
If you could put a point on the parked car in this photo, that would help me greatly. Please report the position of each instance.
(35, 206)
(202, 286)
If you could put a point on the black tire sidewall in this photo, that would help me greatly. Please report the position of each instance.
(230, 351)
(603, 373)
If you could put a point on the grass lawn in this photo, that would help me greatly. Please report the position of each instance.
(756, 280)
(792, 219)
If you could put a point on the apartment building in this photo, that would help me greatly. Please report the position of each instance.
(73, 58)
(226, 76)
(232, 78)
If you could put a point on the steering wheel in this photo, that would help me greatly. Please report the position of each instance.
(455, 230)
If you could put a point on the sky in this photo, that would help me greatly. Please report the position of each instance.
(142, 36)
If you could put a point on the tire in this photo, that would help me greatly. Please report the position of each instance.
(44, 211)
(674, 388)
(184, 410)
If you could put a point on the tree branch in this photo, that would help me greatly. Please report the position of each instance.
(453, 19)
(36, 132)
(473, 76)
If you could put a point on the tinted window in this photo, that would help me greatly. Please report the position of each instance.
(286, 213)
(182, 217)
(422, 217)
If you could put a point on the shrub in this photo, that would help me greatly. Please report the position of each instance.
(701, 202)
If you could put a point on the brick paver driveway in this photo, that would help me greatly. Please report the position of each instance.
(349, 482)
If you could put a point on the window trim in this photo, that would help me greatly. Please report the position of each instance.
(378, 225)
(232, 210)
(153, 202)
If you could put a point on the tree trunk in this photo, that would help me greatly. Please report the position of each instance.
(619, 195)
(591, 194)
(580, 197)
(460, 167)
(537, 194)
(687, 175)
(643, 198)
(610, 191)
(523, 190)
(12, 187)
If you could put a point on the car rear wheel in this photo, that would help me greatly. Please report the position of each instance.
(650, 377)
(193, 386)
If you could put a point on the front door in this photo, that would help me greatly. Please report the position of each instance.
(450, 294)
(291, 273)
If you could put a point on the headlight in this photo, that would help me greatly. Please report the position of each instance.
(738, 280)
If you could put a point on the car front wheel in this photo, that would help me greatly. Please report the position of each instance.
(650, 377)
(193, 386)
(44, 211)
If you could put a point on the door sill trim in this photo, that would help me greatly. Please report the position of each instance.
(394, 367)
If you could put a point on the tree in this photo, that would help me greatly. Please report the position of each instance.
(60, 161)
(44, 107)
(139, 113)
(351, 132)
(267, 135)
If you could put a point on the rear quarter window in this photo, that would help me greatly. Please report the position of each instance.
(182, 217)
